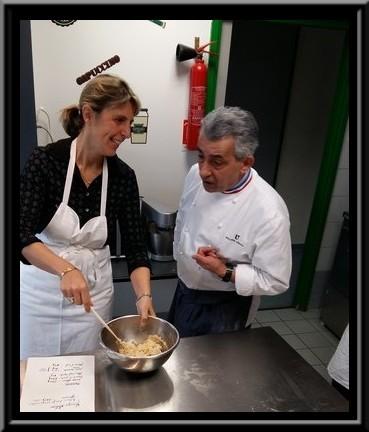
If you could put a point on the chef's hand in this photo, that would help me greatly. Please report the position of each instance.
(208, 251)
(74, 287)
(145, 307)
(209, 258)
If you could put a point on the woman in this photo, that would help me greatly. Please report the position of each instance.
(72, 193)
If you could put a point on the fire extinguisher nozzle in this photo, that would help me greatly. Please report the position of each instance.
(184, 52)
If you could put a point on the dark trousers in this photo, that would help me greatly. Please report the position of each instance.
(198, 312)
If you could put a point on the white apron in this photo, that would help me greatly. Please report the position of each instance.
(49, 324)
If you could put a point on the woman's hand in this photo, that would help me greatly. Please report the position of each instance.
(145, 307)
(73, 284)
(74, 287)
(140, 278)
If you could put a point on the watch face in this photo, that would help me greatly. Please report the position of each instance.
(228, 275)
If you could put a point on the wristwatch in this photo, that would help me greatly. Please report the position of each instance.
(228, 273)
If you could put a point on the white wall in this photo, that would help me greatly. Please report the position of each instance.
(148, 63)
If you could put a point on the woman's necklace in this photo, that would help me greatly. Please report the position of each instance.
(87, 181)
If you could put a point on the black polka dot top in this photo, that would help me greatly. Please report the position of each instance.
(41, 192)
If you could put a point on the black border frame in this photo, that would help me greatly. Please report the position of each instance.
(12, 14)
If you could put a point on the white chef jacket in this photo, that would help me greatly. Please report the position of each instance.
(251, 229)
(338, 366)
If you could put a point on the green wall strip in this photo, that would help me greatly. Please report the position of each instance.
(215, 35)
(325, 185)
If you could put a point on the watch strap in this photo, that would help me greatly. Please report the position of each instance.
(228, 274)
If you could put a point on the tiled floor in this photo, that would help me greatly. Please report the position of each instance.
(304, 332)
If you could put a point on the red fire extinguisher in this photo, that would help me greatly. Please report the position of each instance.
(196, 108)
(197, 100)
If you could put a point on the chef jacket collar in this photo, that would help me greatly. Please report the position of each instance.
(241, 184)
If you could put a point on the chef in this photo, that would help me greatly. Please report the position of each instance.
(72, 192)
(232, 240)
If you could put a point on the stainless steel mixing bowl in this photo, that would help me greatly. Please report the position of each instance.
(128, 328)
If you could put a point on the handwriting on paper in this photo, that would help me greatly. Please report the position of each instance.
(63, 383)
(57, 404)
(68, 374)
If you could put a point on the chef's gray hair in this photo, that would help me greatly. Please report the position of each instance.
(101, 92)
(235, 122)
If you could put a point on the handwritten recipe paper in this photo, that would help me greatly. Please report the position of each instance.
(59, 384)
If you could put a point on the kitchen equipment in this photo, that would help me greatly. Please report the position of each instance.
(160, 222)
(129, 328)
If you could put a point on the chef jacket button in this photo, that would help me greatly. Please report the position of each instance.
(219, 226)
(193, 204)
(234, 201)
(87, 193)
(87, 209)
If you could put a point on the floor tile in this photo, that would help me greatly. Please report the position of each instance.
(316, 323)
(309, 356)
(315, 340)
(323, 372)
(333, 339)
(300, 326)
(288, 314)
(279, 327)
(310, 314)
(324, 353)
(267, 316)
(304, 332)
(294, 341)
(255, 324)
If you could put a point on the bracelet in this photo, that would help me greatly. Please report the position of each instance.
(143, 295)
(65, 271)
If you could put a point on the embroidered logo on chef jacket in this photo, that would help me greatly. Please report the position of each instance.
(241, 250)
(235, 239)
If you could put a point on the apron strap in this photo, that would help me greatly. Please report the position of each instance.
(104, 189)
(68, 180)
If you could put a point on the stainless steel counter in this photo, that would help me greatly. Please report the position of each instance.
(248, 371)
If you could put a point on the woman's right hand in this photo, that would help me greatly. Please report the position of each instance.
(145, 307)
(73, 283)
(74, 287)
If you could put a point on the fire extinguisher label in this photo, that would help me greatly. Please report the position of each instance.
(197, 108)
